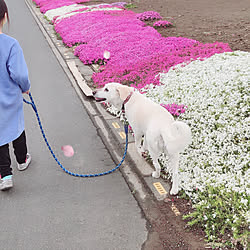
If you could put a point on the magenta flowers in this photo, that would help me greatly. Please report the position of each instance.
(88, 27)
(162, 23)
(175, 109)
(144, 70)
(148, 15)
(46, 5)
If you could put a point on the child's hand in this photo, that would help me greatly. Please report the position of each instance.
(27, 92)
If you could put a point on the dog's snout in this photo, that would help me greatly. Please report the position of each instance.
(93, 92)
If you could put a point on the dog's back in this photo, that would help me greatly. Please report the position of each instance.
(149, 118)
(142, 113)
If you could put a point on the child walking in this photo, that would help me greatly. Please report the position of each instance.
(14, 81)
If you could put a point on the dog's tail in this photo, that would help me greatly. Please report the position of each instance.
(179, 137)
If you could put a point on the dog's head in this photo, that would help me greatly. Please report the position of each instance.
(113, 93)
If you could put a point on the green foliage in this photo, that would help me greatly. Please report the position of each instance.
(47, 19)
(57, 35)
(130, 6)
(223, 216)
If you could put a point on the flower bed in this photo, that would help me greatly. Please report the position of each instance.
(137, 52)
(175, 109)
(148, 16)
(155, 56)
(46, 5)
(163, 24)
(216, 92)
(84, 27)
(55, 15)
(61, 12)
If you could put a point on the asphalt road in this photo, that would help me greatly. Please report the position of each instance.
(48, 209)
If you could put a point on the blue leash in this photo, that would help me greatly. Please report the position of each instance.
(58, 162)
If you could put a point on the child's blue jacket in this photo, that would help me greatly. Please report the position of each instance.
(14, 81)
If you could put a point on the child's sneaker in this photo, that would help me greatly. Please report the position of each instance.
(6, 183)
(23, 166)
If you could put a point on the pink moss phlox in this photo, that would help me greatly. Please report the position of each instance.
(162, 23)
(175, 109)
(138, 53)
(86, 27)
(46, 5)
(146, 70)
(148, 15)
(41, 3)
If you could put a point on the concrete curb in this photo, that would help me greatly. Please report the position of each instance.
(136, 171)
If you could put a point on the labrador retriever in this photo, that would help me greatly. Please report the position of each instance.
(153, 122)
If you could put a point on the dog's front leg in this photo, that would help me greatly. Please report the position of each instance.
(174, 161)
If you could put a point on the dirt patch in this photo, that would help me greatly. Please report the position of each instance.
(225, 21)
(167, 230)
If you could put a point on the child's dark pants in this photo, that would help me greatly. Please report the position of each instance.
(20, 151)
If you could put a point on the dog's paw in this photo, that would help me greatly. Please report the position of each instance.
(174, 191)
(155, 174)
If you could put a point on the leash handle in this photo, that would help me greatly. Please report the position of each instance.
(32, 103)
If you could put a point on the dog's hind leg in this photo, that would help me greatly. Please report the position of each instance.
(138, 143)
(174, 161)
(144, 147)
(157, 172)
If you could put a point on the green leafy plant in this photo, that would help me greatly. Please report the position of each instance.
(223, 216)
(47, 19)
(130, 6)
(57, 35)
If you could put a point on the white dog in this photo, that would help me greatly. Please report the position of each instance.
(161, 132)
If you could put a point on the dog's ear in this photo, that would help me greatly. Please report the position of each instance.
(124, 91)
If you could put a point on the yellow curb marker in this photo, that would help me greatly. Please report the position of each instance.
(115, 125)
(175, 210)
(161, 190)
(123, 135)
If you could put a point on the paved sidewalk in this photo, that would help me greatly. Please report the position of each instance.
(48, 209)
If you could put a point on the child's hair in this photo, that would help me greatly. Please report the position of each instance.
(3, 10)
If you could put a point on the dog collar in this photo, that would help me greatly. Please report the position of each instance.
(125, 101)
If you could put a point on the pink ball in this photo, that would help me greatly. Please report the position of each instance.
(68, 151)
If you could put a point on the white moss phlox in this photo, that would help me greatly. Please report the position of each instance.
(216, 92)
